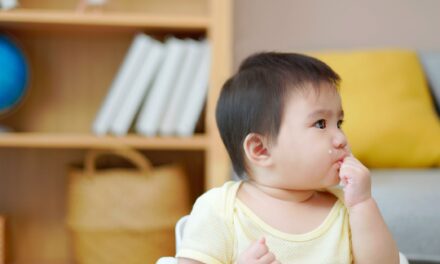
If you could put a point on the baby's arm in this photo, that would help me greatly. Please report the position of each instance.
(372, 242)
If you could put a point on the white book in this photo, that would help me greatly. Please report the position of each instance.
(197, 94)
(179, 96)
(139, 88)
(155, 103)
(122, 81)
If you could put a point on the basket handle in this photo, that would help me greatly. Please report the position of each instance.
(142, 163)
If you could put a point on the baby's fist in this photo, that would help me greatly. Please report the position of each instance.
(356, 180)
(257, 253)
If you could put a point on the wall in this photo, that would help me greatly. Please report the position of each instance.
(293, 25)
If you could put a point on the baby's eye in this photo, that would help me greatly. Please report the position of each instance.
(340, 122)
(320, 124)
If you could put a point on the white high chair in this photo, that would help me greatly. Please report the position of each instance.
(180, 226)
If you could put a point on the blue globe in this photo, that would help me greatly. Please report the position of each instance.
(14, 74)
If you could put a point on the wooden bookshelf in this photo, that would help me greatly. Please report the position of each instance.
(88, 141)
(74, 58)
(2, 240)
(37, 18)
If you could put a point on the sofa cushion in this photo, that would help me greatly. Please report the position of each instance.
(390, 119)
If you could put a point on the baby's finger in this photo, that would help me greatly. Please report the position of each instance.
(354, 161)
(346, 174)
(267, 259)
(258, 249)
(344, 181)
(346, 168)
(349, 166)
(350, 159)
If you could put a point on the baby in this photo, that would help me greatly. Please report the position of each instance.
(280, 119)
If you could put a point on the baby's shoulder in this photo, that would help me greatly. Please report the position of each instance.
(218, 198)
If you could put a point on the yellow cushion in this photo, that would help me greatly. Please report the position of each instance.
(390, 117)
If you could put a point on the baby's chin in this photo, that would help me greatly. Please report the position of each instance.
(332, 179)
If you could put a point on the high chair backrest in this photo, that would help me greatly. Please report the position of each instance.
(180, 226)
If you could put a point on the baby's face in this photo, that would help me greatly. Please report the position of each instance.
(310, 141)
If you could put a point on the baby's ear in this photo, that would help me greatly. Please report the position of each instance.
(256, 149)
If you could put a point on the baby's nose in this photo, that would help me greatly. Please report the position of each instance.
(340, 141)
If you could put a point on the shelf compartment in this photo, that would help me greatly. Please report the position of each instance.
(34, 17)
(69, 83)
(81, 141)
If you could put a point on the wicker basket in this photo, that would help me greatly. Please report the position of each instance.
(124, 215)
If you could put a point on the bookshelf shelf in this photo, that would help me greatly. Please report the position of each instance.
(35, 17)
(86, 141)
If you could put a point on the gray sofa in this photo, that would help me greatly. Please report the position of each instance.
(409, 200)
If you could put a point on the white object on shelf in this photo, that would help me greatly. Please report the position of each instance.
(8, 4)
(96, 2)
(197, 94)
(183, 85)
(124, 78)
(136, 93)
(90, 5)
(152, 111)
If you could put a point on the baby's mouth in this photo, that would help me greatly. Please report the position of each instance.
(339, 162)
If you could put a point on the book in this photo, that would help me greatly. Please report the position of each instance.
(117, 91)
(138, 90)
(168, 125)
(153, 109)
(196, 95)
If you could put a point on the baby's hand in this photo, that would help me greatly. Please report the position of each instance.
(259, 253)
(356, 180)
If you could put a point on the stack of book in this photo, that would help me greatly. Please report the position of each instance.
(160, 88)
